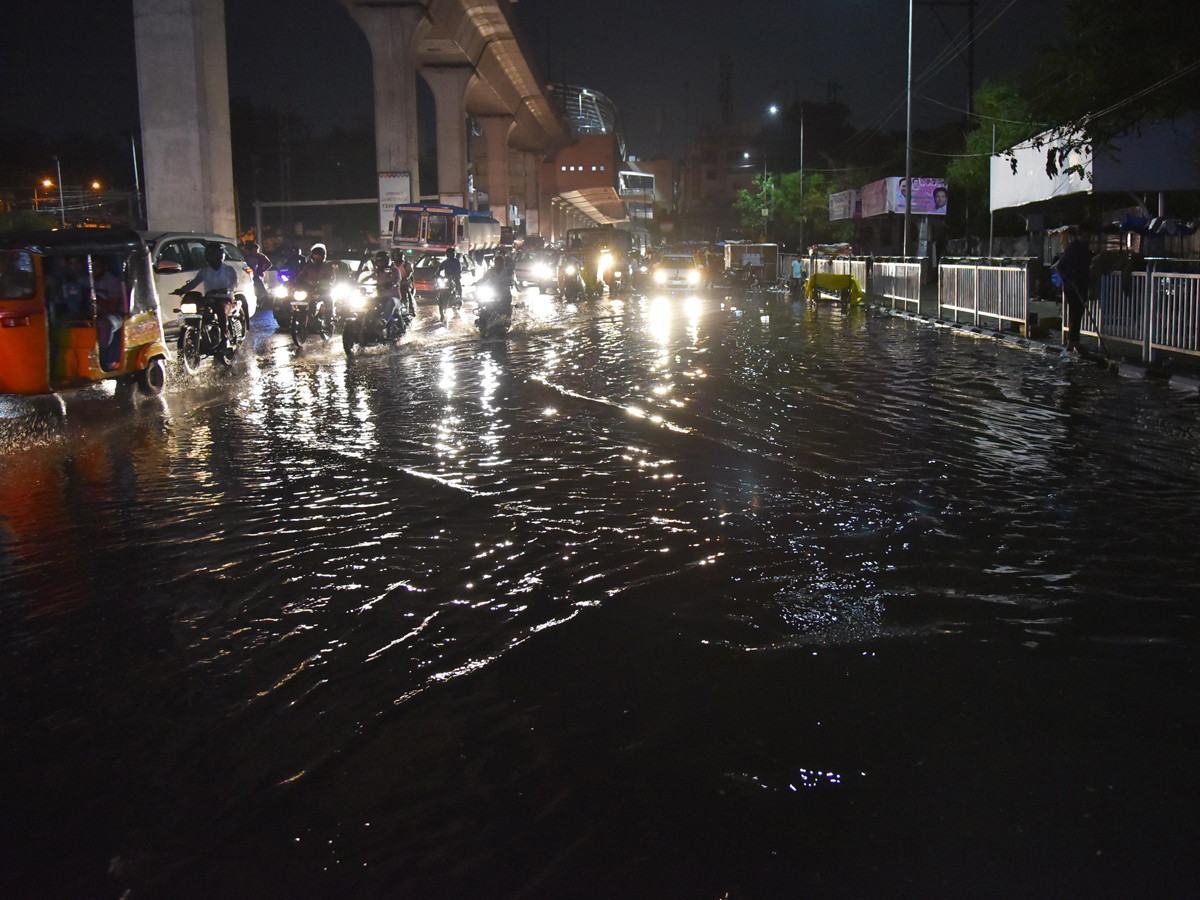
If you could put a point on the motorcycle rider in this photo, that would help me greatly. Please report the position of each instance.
(451, 268)
(317, 275)
(387, 285)
(500, 277)
(407, 287)
(220, 279)
(260, 265)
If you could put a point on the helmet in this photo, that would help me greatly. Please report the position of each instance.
(382, 258)
(321, 247)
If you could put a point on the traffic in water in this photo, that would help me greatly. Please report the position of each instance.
(671, 595)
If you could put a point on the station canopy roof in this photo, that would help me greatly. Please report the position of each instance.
(1163, 156)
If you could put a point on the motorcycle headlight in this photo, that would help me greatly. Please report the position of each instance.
(340, 291)
(443, 281)
(280, 292)
(643, 270)
(357, 300)
(660, 276)
(693, 277)
(299, 295)
(617, 274)
(570, 270)
(605, 263)
(188, 309)
(484, 293)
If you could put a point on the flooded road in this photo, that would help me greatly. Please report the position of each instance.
(657, 597)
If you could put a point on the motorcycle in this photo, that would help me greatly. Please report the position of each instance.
(449, 296)
(200, 329)
(372, 320)
(494, 310)
(313, 313)
(572, 285)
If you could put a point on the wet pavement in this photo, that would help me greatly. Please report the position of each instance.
(655, 597)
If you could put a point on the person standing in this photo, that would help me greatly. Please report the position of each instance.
(797, 278)
(1072, 269)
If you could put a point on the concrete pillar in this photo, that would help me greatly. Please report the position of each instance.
(496, 130)
(391, 33)
(533, 190)
(183, 88)
(449, 86)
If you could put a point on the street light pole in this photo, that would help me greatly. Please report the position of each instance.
(62, 206)
(800, 248)
(908, 136)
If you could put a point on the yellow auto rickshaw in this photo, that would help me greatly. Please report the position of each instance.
(78, 306)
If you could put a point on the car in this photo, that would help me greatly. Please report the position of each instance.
(677, 272)
(176, 257)
(425, 272)
(535, 267)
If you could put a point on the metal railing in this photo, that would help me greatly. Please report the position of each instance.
(899, 282)
(984, 291)
(1154, 309)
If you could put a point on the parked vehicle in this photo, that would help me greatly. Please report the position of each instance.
(177, 256)
(372, 320)
(200, 329)
(77, 307)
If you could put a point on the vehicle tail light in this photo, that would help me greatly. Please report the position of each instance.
(14, 321)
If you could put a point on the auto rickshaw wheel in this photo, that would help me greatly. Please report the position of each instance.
(152, 379)
(189, 349)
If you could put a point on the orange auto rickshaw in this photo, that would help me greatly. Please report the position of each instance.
(78, 306)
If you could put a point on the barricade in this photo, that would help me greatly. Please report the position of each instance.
(984, 290)
(899, 282)
(1157, 310)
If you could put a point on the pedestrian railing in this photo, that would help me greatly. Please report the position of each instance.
(1154, 309)
(898, 282)
(984, 291)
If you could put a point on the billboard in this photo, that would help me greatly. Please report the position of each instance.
(845, 205)
(887, 195)
(394, 188)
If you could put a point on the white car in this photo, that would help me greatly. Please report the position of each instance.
(677, 272)
(178, 256)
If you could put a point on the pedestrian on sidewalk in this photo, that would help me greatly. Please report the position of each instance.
(1072, 269)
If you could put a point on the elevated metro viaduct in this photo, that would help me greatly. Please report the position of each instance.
(466, 50)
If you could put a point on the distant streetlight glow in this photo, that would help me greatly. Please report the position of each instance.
(46, 182)
(95, 185)
(746, 155)
(774, 110)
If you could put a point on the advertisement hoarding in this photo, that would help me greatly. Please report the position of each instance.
(845, 205)
(887, 195)
(394, 188)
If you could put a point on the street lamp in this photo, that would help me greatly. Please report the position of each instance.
(774, 110)
(95, 185)
(62, 206)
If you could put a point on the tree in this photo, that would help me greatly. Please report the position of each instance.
(780, 195)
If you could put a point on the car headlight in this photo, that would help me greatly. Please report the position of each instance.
(340, 291)
(643, 270)
(541, 270)
(280, 292)
(693, 277)
(660, 276)
(299, 295)
(188, 309)
(570, 270)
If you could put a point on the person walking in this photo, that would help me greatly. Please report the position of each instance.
(797, 278)
(1072, 270)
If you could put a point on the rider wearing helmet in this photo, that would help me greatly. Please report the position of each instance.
(317, 275)
(387, 284)
(407, 286)
(219, 280)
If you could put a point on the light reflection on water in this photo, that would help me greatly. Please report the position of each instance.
(319, 545)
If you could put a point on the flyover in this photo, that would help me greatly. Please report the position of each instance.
(467, 51)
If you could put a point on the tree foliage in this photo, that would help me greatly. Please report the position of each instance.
(780, 195)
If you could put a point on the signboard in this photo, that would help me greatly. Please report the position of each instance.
(887, 195)
(845, 205)
(394, 188)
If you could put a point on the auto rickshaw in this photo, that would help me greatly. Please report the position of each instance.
(78, 306)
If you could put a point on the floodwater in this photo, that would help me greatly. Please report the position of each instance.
(654, 598)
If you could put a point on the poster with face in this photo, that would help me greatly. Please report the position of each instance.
(930, 196)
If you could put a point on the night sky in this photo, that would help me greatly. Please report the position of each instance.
(77, 71)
